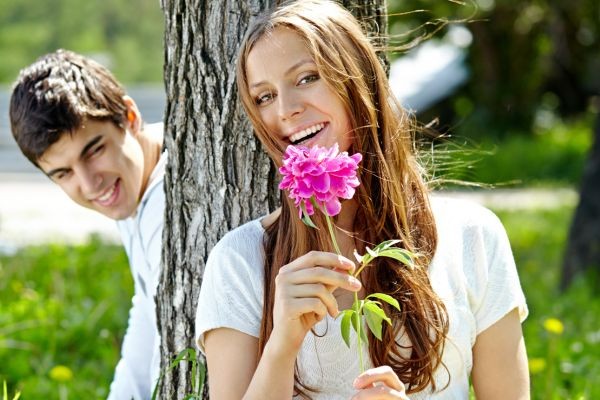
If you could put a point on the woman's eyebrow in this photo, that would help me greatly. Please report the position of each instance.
(288, 71)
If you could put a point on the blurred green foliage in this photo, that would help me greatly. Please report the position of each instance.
(126, 36)
(528, 58)
(551, 157)
(63, 310)
(562, 365)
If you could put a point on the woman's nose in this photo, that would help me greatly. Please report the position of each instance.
(289, 105)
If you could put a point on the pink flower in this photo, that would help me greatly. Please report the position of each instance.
(320, 173)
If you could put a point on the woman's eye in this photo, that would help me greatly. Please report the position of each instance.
(308, 79)
(263, 98)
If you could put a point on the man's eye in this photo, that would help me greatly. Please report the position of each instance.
(308, 79)
(61, 175)
(263, 98)
(96, 150)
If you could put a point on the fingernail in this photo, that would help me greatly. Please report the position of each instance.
(354, 282)
(345, 261)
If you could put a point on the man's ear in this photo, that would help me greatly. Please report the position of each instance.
(133, 117)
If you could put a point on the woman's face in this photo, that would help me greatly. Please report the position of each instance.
(294, 103)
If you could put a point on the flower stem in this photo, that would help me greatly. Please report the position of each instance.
(356, 304)
(332, 234)
(358, 332)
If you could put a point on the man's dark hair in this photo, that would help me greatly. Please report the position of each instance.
(56, 94)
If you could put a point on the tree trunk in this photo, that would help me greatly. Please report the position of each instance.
(583, 248)
(217, 175)
(373, 16)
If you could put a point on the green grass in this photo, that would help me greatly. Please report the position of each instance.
(563, 366)
(67, 306)
(63, 310)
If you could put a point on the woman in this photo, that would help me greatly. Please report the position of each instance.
(308, 76)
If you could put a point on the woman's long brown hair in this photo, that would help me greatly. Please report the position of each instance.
(392, 196)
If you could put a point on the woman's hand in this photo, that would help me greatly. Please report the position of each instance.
(380, 383)
(303, 295)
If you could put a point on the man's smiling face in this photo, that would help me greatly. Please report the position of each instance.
(99, 166)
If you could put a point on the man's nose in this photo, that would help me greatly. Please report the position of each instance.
(89, 180)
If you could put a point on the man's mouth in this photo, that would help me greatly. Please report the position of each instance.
(108, 197)
(307, 133)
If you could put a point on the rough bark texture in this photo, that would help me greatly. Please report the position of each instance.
(217, 175)
(583, 248)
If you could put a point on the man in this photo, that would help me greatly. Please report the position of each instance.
(73, 120)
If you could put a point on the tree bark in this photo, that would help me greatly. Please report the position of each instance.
(217, 176)
(583, 247)
(372, 15)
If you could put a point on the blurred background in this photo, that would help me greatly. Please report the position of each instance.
(513, 85)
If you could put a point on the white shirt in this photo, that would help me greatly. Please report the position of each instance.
(137, 371)
(473, 272)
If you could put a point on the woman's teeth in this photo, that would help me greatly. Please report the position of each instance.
(303, 134)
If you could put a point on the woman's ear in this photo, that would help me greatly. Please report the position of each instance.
(133, 118)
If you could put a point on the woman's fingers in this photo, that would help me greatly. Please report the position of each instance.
(379, 383)
(309, 305)
(303, 289)
(316, 290)
(380, 392)
(384, 374)
(323, 276)
(322, 258)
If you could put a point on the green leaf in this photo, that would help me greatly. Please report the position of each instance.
(374, 319)
(345, 326)
(363, 335)
(306, 218)
(404, 256)
(373, 307)
(386, 244)
(184, 355)
(354, 320)
(387, 298)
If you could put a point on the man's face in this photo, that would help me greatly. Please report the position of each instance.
(100, 166)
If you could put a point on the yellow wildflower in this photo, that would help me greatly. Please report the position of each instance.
(60, 373)
(554, 325)
(537, 365)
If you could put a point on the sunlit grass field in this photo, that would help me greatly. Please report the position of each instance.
(562, 332)
(63, 311)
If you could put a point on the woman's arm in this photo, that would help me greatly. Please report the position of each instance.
(500, 368)
(231, 359)
(302, 298)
